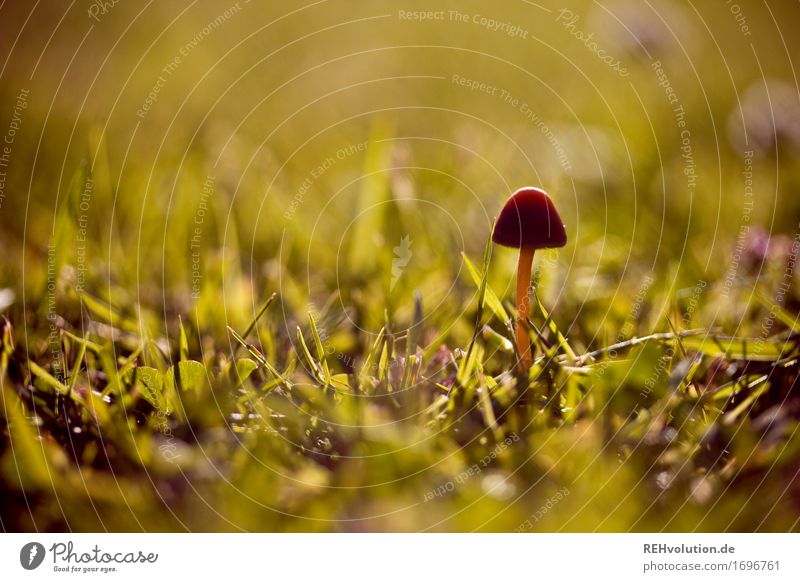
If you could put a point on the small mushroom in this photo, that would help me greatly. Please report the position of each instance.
(528, 221)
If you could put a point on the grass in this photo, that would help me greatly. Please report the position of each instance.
(296, 422)
(271, 321)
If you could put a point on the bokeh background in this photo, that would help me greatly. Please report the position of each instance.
(188, 159)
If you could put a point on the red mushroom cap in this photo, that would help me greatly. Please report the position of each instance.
(529, 220)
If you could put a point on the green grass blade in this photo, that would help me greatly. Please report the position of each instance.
(47, 378)
(562, 341)
(785, 317)
(373, 354)
(762, 385)
(259, 357)
(320, 349)
(305, 353)
(183, 342)
(491, 299)
(260, 313)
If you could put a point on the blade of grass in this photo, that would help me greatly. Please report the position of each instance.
(305, 353)
(320, 349)
(374, 353)
(786, 318)
(476, 330)
(183, 342)
(258, 356)
(47, 378)
(412, 340)
(96, 348)
(562, 341)
(270, 300)
(756, 350)
(76, 368)
(676, 335)
(8, 348)
(734, 414)
(491, 298)
(484, 396)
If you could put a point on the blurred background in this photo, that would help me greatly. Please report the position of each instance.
(458, 107)
(189, 158)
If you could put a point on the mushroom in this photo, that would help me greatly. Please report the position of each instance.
(528, 221)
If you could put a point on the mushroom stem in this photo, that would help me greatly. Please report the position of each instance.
(523, 307)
